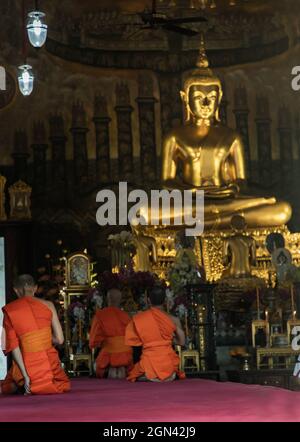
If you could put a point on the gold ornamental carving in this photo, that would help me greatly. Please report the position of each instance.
(20, 201)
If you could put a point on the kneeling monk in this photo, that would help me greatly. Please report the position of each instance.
(154, 330)
(31, 329)
(108, 332)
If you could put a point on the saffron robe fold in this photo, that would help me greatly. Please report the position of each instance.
(154, 330)
(108, 332)
(27, 324)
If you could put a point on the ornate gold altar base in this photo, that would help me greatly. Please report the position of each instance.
(270, 357)
(208, 250)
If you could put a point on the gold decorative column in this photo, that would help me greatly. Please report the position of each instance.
(202, 338)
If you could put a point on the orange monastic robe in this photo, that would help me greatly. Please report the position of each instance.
(27, 324)
(154, 330)
(108, 332)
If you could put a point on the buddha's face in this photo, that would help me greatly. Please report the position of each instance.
(203, 101)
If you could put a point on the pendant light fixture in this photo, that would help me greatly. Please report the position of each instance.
(25, 74)
(36, 27)
(25, 79)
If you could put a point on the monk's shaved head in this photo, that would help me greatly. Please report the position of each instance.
(157, 295)
(114, 297)
(24, 285)
(23, 282)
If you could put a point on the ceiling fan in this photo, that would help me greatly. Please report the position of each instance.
(152, 19)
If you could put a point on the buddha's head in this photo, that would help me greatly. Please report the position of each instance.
(238, 223)
(202, 92)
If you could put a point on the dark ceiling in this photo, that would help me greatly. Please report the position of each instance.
(77, 7)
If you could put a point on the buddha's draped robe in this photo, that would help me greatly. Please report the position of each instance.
(27, 324)
(154, 331)
(108, 332)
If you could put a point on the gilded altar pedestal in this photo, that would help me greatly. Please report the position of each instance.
(276, 358)
(209, 246)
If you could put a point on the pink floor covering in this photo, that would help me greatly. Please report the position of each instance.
(192, 400)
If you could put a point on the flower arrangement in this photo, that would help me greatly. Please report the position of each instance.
(94, 299)
(123, 248)
(77, 314)
(108, 280)
(76, 311)
(181, 311)
(123, 238)
(170, 299)
(181, 303)
(127, 278)
(184, 270)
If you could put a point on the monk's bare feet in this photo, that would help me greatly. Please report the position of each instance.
(121, 372)
(112, 373)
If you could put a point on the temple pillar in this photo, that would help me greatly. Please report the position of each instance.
(80, 156)
(20, 156)
(264, 141)
(223, 106)
(101, 121)
(297, 134)
(286, 149)
(39, 147)
(125, 143)
(146, 105)
(170, 101)
(241, 113)
(58, 144)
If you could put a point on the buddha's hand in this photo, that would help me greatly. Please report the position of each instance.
(235, 188)
(216, 192)
(240, 185)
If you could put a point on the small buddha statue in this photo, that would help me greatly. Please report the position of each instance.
(146, 249)
(212, 158)
(239, 250)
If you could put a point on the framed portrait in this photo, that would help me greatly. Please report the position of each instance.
(20, 200)
(78, 274)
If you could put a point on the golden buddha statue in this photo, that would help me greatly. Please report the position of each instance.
(239, 250)
(212, 157)
(146, 249)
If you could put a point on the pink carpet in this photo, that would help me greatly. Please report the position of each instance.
(192, 400)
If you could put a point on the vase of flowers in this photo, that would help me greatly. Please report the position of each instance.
(77, 314)
(133, 284)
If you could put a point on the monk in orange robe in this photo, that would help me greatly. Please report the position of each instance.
(155, 330)
(108, 332)
(31, 329)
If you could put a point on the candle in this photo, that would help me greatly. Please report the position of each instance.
(266, 315)
(292, 302)
(186, 324)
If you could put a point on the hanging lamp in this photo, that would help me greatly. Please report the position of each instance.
(25, 74)
(25, 79)
(37, 29)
